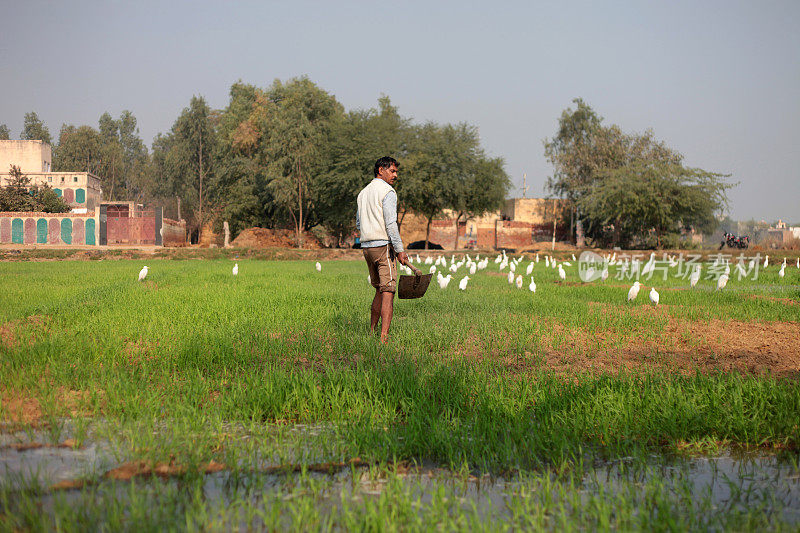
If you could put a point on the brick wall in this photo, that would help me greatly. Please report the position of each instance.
(514, 234)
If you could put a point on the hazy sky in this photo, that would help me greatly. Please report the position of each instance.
(718, 81)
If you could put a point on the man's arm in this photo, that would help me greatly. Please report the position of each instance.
(390, 219)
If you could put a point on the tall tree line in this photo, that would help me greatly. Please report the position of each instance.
(288, 155)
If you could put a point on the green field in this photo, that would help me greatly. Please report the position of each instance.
(490, 408)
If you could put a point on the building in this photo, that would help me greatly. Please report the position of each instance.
(519, 224)
(91, 221)
(80, 190)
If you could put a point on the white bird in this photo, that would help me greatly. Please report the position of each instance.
(319, 267)
(463, 283)
(722, 281)
(561, 273)
(432, 270)
(519, 281)
(369, 279)
(510, 278)
(512, 267)
(568, 263)
(472, 269)
(654, 295)
(143, 273)
(537, 258)
(418, 261)
(766, 261)
(573, 257)
(634, 291)
(604, 275)
(798, 262)
(445, 281)
(235, 269)
(529, 269)
(781, 272)
(695, 277)
(428, 260)
(532, 286)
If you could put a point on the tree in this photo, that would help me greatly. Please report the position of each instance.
(183, 163)
(595, 166)
(299, 122)
(568, 152)
(358, 140)
(646, 196)
(34, 129)
(5, 133)
(20, 195)
(79, 149)
(125, 160)
(239, 185)
(447, 169)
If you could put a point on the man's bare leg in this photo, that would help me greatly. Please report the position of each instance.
(387, 309)
(375, 311)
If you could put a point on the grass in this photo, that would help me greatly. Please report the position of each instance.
(276, 366)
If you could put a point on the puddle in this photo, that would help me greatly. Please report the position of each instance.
(726, 483)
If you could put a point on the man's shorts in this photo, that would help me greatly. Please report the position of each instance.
(382, 268)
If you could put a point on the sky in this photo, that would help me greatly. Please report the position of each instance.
(719, 81)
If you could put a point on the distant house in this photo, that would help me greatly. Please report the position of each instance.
(517, 225)
(91, 221)
(80, 190)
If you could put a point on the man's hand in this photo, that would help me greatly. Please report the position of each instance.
(403, 258)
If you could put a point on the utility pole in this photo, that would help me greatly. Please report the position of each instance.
(524, 184)
(553, 247)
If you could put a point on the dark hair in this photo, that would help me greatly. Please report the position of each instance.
(385, 162)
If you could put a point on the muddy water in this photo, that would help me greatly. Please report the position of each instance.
(728, 481)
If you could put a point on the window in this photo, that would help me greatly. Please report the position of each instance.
(49, 178)
(75, 179)
(62, 179)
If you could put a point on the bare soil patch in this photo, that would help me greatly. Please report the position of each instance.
(22, 408)
(272, 238)
(9, 330)
(683, 346)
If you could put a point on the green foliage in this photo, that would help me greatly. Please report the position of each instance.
(20, 195)
(641, 197)
(113, 152)
(627, 186)
(447, 169)
(183, 164)
(357, 141)
(299, 118)
(34, 129)
(5, 133)
(80, 149)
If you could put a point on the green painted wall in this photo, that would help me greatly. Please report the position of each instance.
(17, 231)
(90, 231)
(41, 231)
(66, 230)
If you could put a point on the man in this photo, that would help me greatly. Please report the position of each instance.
(376, 220)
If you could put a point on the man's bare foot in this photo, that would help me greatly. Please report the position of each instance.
(384, 339)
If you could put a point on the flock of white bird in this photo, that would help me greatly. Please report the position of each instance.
(439, 264)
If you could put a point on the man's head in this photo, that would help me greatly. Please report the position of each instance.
(386, 169)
